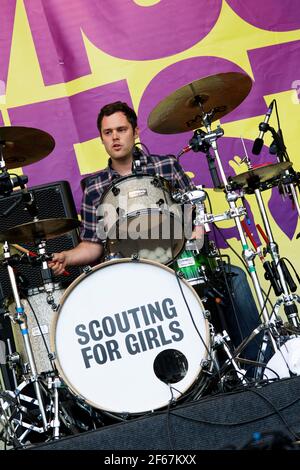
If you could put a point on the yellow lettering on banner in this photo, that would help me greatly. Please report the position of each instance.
(146, 3)
(85, 154)
(231, 38)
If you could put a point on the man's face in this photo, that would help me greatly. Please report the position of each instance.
(118, 136)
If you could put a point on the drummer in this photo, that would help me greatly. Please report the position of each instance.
(117, 125)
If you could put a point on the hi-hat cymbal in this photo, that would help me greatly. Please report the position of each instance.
(40, 230)
(180, 111)
(23, 146)
(261, 173)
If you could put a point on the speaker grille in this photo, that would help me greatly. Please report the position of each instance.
(54, 200)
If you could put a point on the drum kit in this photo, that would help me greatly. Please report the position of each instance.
(89, 354)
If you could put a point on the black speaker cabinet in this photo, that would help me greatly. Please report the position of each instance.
(222, 422)
(54, 200)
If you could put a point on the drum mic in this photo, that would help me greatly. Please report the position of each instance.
(136, 159)
(8, 182)
(30, 203)
(263, 127)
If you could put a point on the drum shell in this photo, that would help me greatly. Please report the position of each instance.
(195, 266)
(142, 203)
(37, 299)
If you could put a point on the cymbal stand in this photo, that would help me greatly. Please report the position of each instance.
(290, 178)
(223, 340)
(46, 273)
(231, 196)
(54, 381)
(22, 321)
(286, 298)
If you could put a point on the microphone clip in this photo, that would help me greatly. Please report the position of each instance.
(8, 182)
(264, 127)
(136, 160)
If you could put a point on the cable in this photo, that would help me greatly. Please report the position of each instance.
(144, 146)
(277, 411)
(228, 423)
(292, 266)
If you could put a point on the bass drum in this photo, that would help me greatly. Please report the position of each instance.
(130, 337)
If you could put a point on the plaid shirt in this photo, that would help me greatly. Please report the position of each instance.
(165, 166)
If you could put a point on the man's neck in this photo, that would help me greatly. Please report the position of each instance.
(123, 167)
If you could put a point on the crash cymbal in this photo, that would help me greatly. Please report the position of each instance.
(23, 146)
(261, 173)
(40, 230)
(180, 111)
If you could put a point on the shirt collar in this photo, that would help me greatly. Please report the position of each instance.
(114, 173)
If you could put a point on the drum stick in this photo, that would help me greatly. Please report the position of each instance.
(23, 250)
(266, 239)
(251, 238)
(31, 253)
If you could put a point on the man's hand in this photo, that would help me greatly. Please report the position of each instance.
(58, 263)
(198, 236)
(84, 253)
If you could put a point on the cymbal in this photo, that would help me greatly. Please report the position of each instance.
(263, 173)
(40, 230)
(180, 111)
(23, 146)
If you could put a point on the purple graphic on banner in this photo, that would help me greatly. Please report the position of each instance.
(120, 28)
(283, 212)
(270, 15)
(70, 121)
(171, 79)
(6, 28)
(166, 82)
(270, 76)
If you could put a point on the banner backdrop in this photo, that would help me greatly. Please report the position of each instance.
(62, 60)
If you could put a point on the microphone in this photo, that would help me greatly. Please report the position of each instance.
(136, 159)
(198, 142)
(271, 275)
(8, 182)
(30, 202)
(263, 127)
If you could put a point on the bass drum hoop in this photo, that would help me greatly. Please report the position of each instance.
(194, 388)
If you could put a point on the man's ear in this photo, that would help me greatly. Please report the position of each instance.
(136, 132)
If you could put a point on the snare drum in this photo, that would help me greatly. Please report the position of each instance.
(127, 339)
(138, 216)
(38, 327)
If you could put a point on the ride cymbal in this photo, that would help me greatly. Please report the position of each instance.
(261, 173)
(181, 112)
(39, 230)
(23, 146)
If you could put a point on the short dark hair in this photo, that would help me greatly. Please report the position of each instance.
(115, 107)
